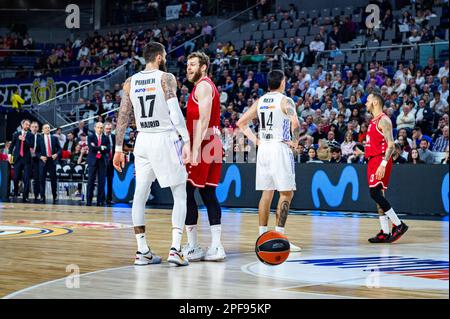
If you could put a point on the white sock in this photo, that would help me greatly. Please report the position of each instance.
(279, 229)
(177, 234)
(191, 232)
(393, 217)
(142, 243)
(262, 230)
(216, 231)
(178, 214)
(384, 222)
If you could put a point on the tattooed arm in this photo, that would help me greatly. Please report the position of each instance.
(288, 108)
(386, 127)
(169, 86)
(126, 108)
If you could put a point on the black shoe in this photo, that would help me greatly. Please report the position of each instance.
(398, 231)
(88, 204)
(42, 201)
(101, 204)
(380, 238)
(55, 200)
(25, 200)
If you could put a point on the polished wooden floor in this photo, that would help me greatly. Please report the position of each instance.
(37, 265)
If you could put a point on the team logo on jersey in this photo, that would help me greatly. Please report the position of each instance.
(17, 231)
(334, 195)
(370, 271)
(232, 175)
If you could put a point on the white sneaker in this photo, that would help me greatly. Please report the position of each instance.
(176, 257)
(146, 259)
(215, 254)
(295, 249)
(194, 253)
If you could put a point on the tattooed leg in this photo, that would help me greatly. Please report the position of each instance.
(283, 208)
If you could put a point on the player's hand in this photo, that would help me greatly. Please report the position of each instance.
(380, 172)
(186, 153)
(119, 161)
(194, 158)
(55, 156)
(44, 159)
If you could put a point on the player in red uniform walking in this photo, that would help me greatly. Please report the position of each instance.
(203, 123)
(378, 151)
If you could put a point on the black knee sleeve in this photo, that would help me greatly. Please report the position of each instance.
(192, 210)
(377, 196)
(211, 202)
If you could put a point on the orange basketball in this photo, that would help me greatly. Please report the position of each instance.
(272, 248)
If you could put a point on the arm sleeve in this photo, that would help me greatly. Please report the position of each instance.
(176, 116)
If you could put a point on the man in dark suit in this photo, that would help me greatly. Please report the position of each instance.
(110, 168)
(48, 150)
(34, 129)
(21, 160)
(97, 162)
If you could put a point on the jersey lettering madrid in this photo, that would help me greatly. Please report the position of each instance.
(150, 107)
(274, 124)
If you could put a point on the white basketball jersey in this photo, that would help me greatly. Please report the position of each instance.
(274, 125)
(149, 103)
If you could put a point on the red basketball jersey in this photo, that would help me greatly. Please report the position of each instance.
(376, 144)
(192, 113)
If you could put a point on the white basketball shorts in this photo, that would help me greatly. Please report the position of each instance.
(158, 156)
(275, 168)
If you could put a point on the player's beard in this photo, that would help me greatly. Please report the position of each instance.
(197, 76)
(163, 66)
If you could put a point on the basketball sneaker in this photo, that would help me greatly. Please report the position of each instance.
(398, 231)
(146, 259)
(176, 257)
(381, 237)
(215, 254)
(294, 249)
(193, 253)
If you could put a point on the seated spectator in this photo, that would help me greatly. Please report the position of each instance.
(414, 158)
(362, 133)
(319, 134)
(439, 105)
(441, 143)
(323, 151)
(312, 156)
(406, 118)
(443, 71)
(404, 134)
(336, 156)
(357, 156)
(397, 156)
(417, 136)
(425, 154)
(348, 144)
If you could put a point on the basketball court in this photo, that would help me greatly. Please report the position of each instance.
(45, 247)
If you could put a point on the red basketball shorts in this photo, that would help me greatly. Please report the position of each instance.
(372, 166)
(209, 168)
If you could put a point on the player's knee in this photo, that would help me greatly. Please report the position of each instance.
(287, 196)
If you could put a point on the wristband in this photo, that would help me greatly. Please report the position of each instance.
(383, 163)
(118, 149)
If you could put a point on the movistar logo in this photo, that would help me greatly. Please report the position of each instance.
(121, 187)
(232, 175)
(334, 195)
(444, 193)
